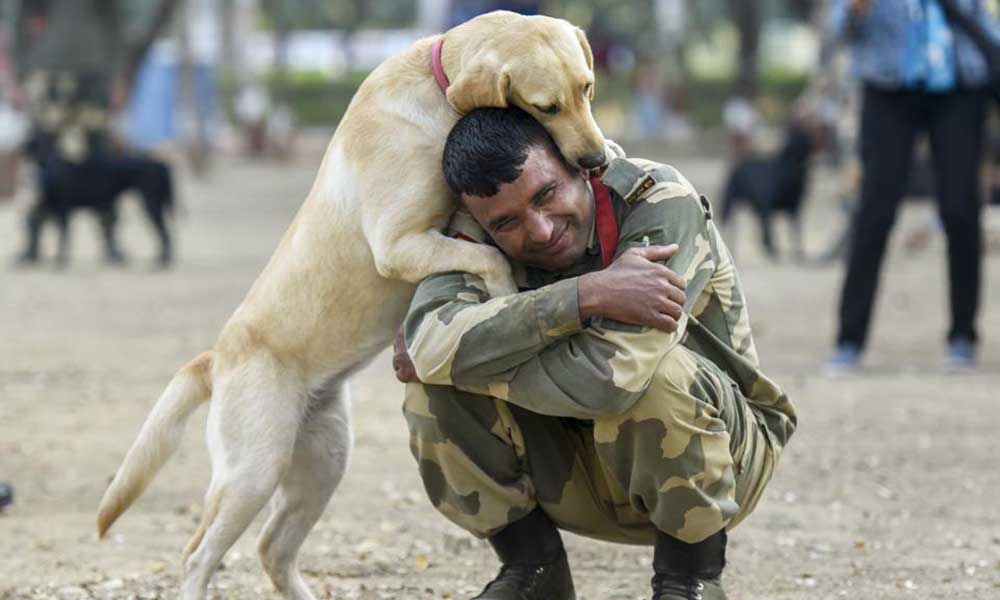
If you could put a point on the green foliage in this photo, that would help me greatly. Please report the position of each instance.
(635, 21)
(702, 98)
(318, 100)
(338, 14)
(777, 90)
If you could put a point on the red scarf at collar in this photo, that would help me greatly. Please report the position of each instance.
(604, 214)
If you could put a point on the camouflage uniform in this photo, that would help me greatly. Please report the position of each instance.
(614, 430)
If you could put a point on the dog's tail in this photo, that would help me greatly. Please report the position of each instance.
(158, 439)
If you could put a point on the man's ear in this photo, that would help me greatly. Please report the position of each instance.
(482, 84)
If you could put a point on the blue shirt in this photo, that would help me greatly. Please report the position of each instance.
(909, 44)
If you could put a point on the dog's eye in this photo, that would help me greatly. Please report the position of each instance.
(588, 89)
(549, 110)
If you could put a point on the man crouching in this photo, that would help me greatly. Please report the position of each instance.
(618, 396)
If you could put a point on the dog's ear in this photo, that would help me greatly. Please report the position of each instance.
(587, 52)
(585, 45)
(483, 84)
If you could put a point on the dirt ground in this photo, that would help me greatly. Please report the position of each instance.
(889, 489)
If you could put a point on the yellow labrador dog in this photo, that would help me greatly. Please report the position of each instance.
(339, 283)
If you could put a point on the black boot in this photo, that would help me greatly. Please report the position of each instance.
(689, 571)
(534, 562)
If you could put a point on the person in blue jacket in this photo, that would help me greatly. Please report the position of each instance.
(920, 73)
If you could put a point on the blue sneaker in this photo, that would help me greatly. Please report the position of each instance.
(961, 354)
(846, 360)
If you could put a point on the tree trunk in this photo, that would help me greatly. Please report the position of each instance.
(194, 136)
(161, 19)
(746, 15)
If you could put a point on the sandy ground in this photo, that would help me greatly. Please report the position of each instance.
(889, 489)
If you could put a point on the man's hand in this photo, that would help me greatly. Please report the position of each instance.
(634, 289)
(401, 362)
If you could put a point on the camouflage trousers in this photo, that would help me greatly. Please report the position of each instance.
(689, 458)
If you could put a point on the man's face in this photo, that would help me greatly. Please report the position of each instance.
(543, 218)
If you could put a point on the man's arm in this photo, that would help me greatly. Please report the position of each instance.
(632, 290)
(531, 349)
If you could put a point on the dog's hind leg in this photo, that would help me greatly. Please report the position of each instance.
(156, 200)
(254, 418)
(62, 222)
(33, 226)
(798, 243)
(112, 252)
(767, 233)
(156, 216)
(318, 463)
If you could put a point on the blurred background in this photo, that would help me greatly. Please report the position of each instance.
(198, 69)
(217, 114)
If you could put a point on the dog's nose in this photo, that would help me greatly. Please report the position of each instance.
(592, 160)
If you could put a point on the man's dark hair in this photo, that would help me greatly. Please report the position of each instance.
(487, 148)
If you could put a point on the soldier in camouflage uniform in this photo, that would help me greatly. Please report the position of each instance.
(566, 405)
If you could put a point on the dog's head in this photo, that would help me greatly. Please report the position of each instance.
(539, 64)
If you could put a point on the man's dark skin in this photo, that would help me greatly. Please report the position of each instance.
(544, 219)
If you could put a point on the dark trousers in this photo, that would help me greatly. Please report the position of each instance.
(890, 122)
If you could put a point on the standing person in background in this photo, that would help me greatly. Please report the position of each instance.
(69, 62)
(919, 74)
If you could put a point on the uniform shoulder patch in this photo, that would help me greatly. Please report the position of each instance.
(706, 206)
(627, 179)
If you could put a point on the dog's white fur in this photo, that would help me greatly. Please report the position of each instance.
(339, 283)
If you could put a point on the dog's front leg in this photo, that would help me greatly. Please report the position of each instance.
(413, 256)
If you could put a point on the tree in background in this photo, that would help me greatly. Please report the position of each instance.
(162, 14)
(746, 17)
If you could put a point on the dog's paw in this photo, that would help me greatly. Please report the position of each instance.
(612, 150)
(500, 282)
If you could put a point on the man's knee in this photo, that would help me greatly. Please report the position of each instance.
(671, 451)
(446, 422)
(668, 397)
(446, 412)
(467, 457)
(425, 429)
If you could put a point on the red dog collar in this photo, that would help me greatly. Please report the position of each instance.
(436, 67)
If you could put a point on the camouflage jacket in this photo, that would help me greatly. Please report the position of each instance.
(531, 348)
